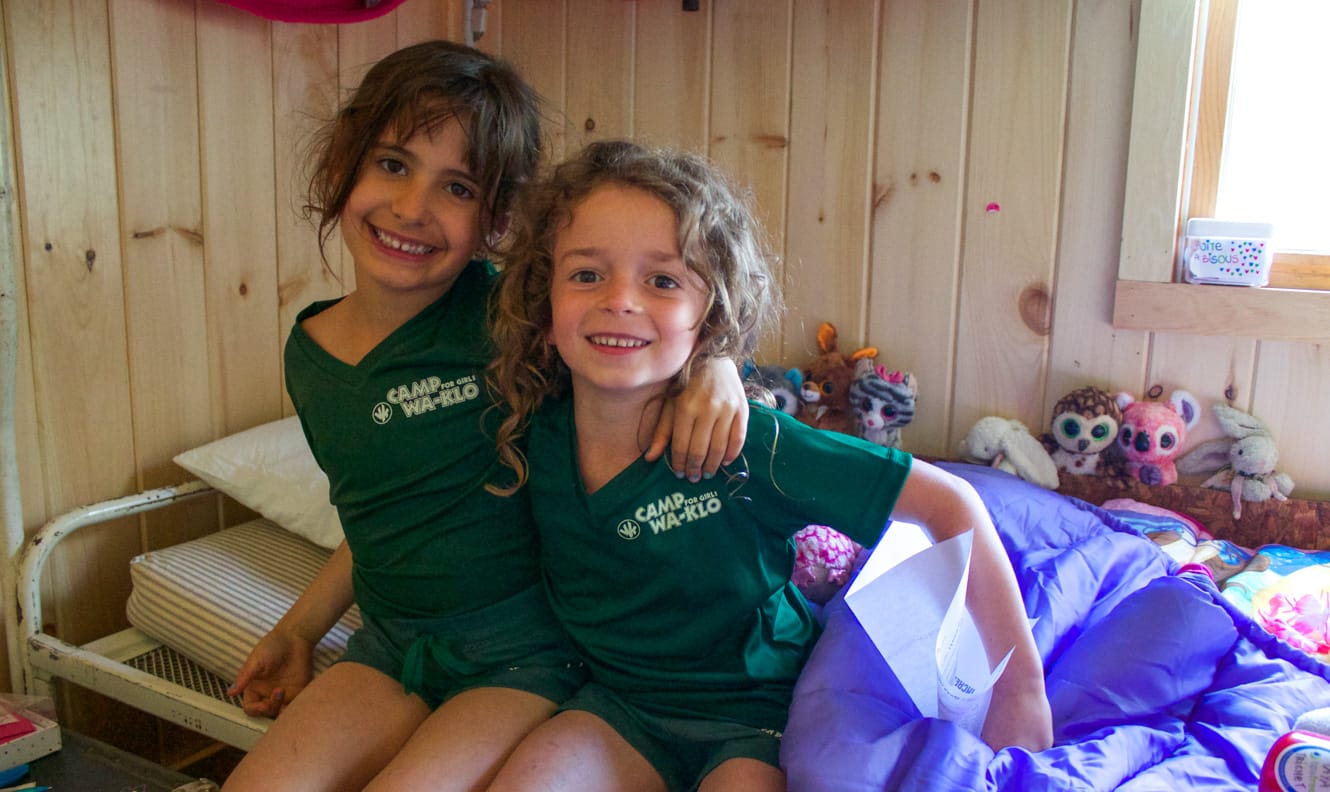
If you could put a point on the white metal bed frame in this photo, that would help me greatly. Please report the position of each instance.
(128, 666)
(111, 665)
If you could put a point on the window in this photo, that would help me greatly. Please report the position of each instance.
(1259, 151)
(1146, 296)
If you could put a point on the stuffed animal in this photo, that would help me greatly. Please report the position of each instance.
(823, 561)
(1085, 423)
(780, 383)
(1006, 444)
(1243, 463)
(1152, 435)
(826, 384)
(883, 401)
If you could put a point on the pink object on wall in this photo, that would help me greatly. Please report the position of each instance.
(326, 11)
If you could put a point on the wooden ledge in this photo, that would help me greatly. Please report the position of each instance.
(1264, 313)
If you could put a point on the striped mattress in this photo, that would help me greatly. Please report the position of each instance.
(211, 599)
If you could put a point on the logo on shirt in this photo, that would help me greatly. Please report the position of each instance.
(629, 529)
(675, 509)
(425, 395)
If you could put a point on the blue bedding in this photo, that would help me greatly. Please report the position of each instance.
(1156, 681)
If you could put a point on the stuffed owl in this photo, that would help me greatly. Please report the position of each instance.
(1085, 423)
(1152, 434)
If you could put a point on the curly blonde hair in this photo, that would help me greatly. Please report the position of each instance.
(719, 237)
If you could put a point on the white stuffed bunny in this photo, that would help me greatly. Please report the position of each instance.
(1243, 463)
(1006, 444)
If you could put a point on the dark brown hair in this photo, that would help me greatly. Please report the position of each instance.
(418, 88)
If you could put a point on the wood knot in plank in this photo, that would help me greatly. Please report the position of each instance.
(882, 193)
(1035, 306)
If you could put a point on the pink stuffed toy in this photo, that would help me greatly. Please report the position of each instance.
(1152, 434)
(824, 559)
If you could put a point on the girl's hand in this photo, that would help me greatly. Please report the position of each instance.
(1019, 715)
(278, 668)
(705, 426)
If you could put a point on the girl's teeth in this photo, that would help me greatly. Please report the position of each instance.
(397, 244)
(617, 342)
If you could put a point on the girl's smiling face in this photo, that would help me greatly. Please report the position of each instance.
(625, 308)
(412, 220)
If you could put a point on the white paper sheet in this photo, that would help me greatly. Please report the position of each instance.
(910, 599)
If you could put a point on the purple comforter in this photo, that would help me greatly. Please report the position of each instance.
(1155, 681)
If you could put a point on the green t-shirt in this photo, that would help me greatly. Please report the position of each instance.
(679, 593)
(406, 438)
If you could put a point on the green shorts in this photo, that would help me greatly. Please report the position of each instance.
(683, 750)
(516, 643)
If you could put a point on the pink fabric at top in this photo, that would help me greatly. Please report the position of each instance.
(327, 11)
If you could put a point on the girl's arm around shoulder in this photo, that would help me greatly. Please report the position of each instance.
(705, 425)
(946, 506)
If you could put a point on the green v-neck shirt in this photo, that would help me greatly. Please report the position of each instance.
(406, 437)
(680, 593)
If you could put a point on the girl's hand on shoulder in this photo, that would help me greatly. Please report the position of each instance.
(705, 426)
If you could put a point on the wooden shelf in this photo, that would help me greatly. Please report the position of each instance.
(1264, 313)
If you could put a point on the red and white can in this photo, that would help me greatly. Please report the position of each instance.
(1298, 762)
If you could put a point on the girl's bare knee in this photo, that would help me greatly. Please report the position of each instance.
(744, 775)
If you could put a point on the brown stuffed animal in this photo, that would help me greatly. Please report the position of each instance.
(825, 395)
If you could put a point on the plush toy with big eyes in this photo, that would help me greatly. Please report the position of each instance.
(883, 401)
(825, 394)
(1152, 435)
(1085, 423)
(776, 384)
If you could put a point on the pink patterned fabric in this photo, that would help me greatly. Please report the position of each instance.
(824, 558)
(1303, 620)
(324, 11)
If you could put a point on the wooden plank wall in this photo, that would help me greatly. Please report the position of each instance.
(943, 179)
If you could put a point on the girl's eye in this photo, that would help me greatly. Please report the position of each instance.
(393, 166)
(460, 190)
(584, 276)
(664, 282)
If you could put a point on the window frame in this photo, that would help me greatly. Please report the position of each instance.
(1288, 270)
(1162, 179)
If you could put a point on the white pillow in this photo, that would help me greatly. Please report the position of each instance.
(270, 469)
